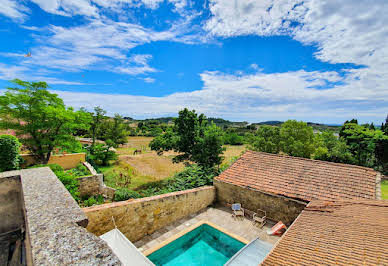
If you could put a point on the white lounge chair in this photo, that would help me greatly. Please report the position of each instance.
(238, 211)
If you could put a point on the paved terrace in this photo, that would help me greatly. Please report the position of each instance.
(218, 215)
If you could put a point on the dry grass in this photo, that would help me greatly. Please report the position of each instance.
(148, 166)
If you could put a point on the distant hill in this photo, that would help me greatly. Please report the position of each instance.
(270, 123)
(230, 124)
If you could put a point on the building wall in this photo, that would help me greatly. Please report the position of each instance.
(67, 161)
(139, 217)
(278, 208)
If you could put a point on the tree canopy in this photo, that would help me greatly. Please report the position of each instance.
(40, 118)
(193, 138)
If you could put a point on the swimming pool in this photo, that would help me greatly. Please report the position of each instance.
(204, 245)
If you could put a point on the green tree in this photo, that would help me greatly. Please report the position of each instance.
(297, 139)
(332, 149)
(265, 139)
(115, 132)
(193, 139)
(98, 117)
(40, 118)
(9, 153)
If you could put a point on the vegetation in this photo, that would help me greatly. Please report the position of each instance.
(362, 145)
(9, 153)
(384, 189)
(39, 118)
(193, 139)
(126, 194)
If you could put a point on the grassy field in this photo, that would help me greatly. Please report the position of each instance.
(147, 166)
(384, 189)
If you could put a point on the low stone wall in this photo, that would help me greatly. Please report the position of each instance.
(140, 217)
(67, 161)
(94, 185)
(278, 208)
(55, 233)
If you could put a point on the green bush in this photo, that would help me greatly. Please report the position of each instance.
(101, 154)
(79, 170)
(93, 200)
(125, 194)
(233, 139)
(9, 153)
(192, 176)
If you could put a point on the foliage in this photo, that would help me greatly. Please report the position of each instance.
(9, 153)
(265, 139)
(293, 138)
(93, 200)
(233, 139)
(125, 194)
(332, 149)
(193, 139)
(191, 177)
(39, 118)
(114, 131)
(95, 123)
(101, 154)
(297, 139)
(384, 190)
(79, 170)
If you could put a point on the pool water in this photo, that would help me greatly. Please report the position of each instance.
(204, 245)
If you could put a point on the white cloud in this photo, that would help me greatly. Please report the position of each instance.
(254, 97)
(13, 9)
(344, 32)
(68, 7)
(9, 72)
(149, 80)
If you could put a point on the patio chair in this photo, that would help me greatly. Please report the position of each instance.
(237, 210)
(260, 217)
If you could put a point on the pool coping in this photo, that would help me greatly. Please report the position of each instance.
(191, 228)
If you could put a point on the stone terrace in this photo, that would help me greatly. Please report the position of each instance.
(218, 215)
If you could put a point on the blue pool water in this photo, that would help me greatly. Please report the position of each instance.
(204, 245)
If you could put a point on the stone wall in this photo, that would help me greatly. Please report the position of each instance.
(139, 217)
(278, 208)
(67, 161)
(55, 233)
(94, 185)
(10, 204)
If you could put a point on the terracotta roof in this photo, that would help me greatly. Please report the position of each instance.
(352, 232)
(301, 178)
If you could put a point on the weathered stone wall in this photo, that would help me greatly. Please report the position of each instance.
(11, 214)
(67, 161)
(278, 208)
(90, 185)
(94, 185)
(55, 232)
(139, 217)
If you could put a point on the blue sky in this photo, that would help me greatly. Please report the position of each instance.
(249, 60)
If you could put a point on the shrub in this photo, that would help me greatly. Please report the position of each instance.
(191, 177)
(233, 139)
(93, 200)
(101, 154)
(9, 153)
(125, 194)
(79, 170)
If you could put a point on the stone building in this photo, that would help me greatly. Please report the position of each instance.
(283, 185)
